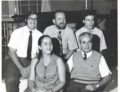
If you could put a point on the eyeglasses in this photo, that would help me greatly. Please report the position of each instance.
(33, 19)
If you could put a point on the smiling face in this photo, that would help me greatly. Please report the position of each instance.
(86, 43)
(89, 21)
(46, 45)
(32, 21)
(60, 20)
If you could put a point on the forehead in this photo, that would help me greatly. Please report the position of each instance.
(46, 39)
(33, 16)
(89, 17)
(85, 38)
(59, 14)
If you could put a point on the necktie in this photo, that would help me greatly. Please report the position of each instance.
(85, 56)
(60, 36)
(29, 49)
(60, 40)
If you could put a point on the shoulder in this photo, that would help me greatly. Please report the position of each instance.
(80, 30)
(98, 30)
(50, 27)
(59, 60)
(38, 32)
(69, 29)
(77, 53)
(60, 63)
(18, 31)
(97, 53)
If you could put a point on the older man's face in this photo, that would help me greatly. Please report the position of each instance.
(86, 43)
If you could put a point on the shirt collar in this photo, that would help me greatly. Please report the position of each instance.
(88, 54)
(91, 31)
(30, 30)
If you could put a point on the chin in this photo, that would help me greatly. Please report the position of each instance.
(48, 53)
(87, 51)
(90, 27)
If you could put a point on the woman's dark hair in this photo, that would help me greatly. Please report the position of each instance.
(41, 39)
(40, 42)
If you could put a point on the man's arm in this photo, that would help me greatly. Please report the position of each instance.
(62, 76)
(67, 56)
(32, 74)
(103, 81)
(13, 56)
(105, 74)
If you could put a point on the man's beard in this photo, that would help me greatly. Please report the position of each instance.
(61, 26)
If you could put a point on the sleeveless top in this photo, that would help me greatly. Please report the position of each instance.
(46, 76)
(86, 71)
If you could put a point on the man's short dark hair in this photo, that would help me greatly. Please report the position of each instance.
(58, 11)
(89, 12)
(30, 13)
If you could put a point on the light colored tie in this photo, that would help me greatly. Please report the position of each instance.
(60, 40)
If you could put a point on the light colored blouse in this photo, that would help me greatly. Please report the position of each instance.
(46, 76)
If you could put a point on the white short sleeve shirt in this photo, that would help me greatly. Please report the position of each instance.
(19, 41)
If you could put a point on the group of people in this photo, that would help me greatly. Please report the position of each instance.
(32, 56)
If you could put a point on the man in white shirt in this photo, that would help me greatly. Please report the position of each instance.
(89, 26)
(23, 46)
(63, 33)
(88, 68)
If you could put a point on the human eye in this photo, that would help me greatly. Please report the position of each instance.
(45, 43)
(83, 42)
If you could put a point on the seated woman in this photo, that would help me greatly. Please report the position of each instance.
(47, 73)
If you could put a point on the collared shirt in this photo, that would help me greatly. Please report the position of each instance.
(19, 41)
(103, 67)
(94, 31)
(68, 37)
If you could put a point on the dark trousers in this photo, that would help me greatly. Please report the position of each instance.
(78, 87)
(12, 74)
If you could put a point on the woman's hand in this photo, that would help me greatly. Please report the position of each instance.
(25, 72)
(44, 90)
(91, 87)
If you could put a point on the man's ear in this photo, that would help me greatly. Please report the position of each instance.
(53, 21)
(83, 21)
(39, 47)
(26, 21)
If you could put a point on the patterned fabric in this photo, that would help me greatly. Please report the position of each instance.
(86, 71)
(68, 37)
(46, 76)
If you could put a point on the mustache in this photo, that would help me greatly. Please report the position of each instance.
(63, 23)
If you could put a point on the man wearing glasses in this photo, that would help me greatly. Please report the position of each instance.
(23, 46)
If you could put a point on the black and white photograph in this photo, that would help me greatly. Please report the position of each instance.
(59, 46)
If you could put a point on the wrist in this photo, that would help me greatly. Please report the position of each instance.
(97, 86)
(51, 90)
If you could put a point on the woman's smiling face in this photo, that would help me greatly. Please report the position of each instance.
(46, 45)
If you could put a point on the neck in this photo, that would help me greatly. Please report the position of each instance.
(86, 52)
(88, 28)
(30, 28)
(46, 55)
